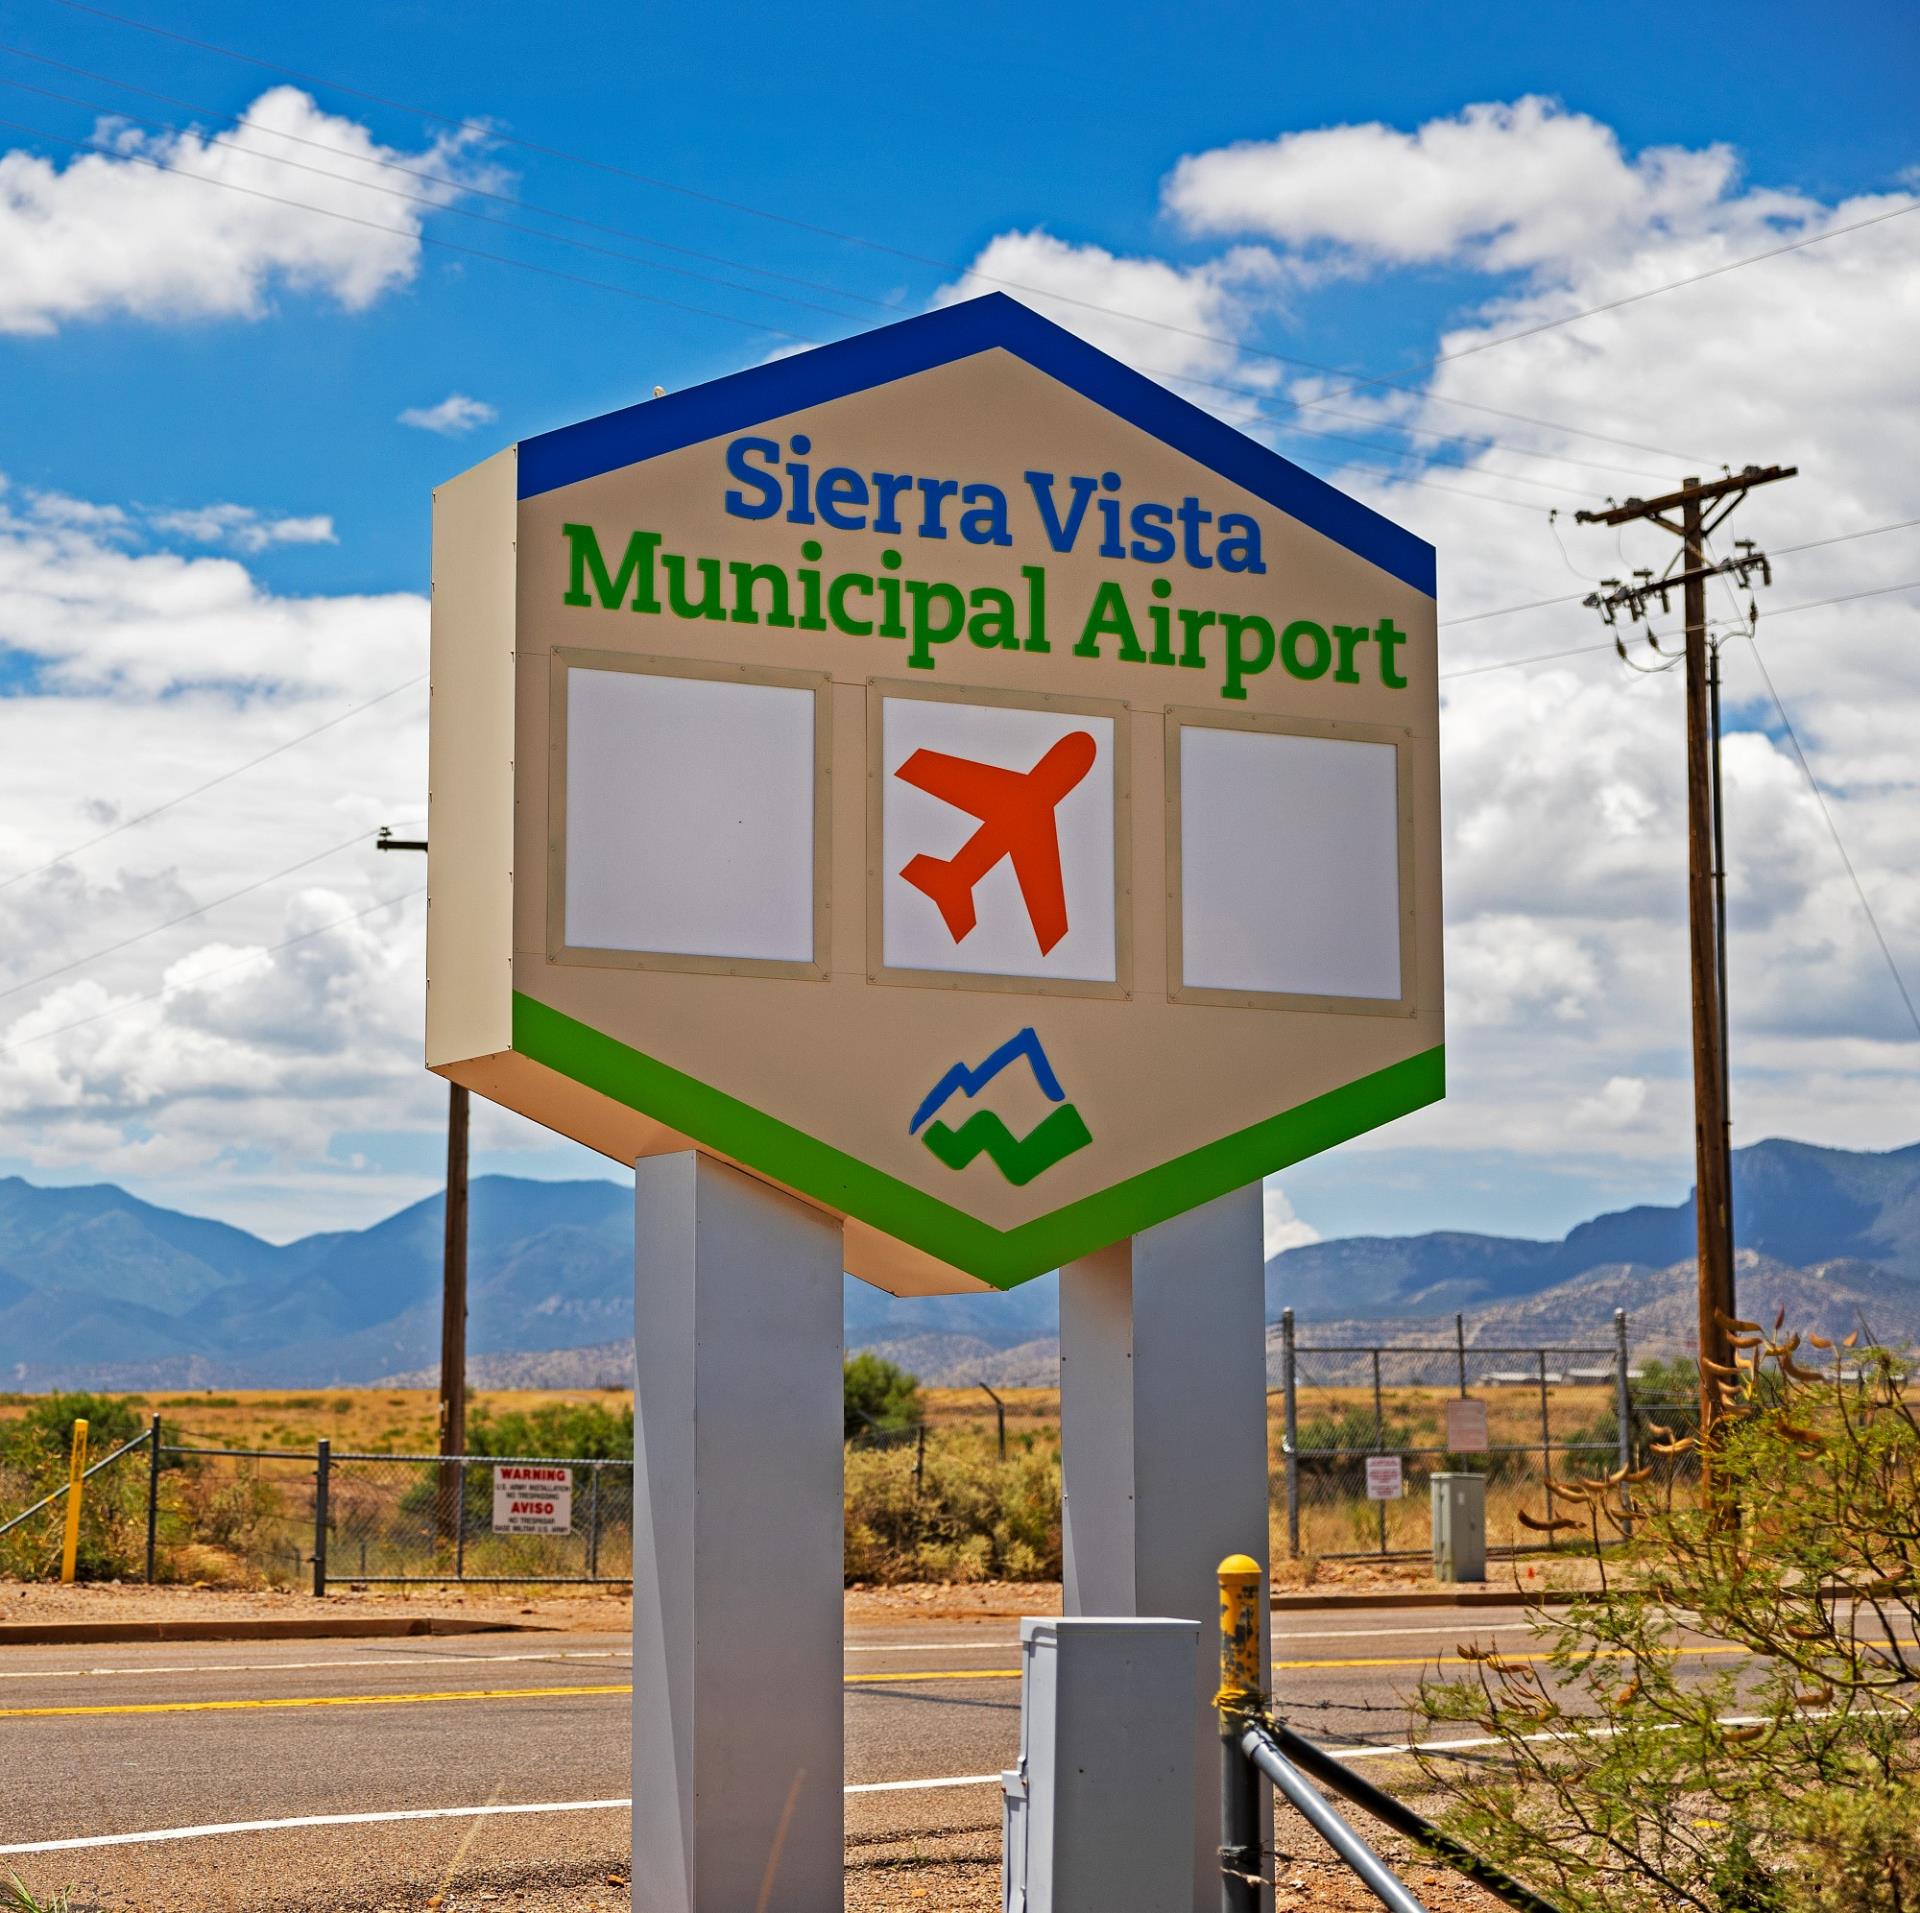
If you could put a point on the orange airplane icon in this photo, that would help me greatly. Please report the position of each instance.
(1016, 811)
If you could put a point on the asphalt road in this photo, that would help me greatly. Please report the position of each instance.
(169, 1738)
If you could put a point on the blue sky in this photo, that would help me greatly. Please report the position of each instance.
(1087, 153)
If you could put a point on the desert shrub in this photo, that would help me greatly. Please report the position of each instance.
(566, 1431)
(957, 1514)
(877, 1398)
(1783, 1775)
(47, 1426)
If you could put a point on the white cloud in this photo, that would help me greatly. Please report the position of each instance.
(1281, 1228)
(242, 527)
(1174, 322)
(1503, 185)
(101, 615)
(456, 413)
(194, 225)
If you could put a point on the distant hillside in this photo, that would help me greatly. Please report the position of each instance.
(100, 1289)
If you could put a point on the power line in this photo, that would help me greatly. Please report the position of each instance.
(1833, 830)
(1779, 551)
(187, 916)
(422, 238)
(1591, 650)
(172, 989)
(649, 265)
(146, 816)
(828, 232)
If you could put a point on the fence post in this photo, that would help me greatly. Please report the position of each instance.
(593, 1521)
(460, 1519)
(1000, 1414)
(1290, 1399)
(1623, 1409)
(1379, 1443)
(919, 1459)
(153, 1494)
(1460, 1347)
(1546, 1445)
(322, 1472)
(76, 1476)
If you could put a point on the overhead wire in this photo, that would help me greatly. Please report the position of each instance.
(1590, 650)
(186, 916)
(1779, 551)
(499, 136)
(1751, 624)
(146, 816)
(855, 239)
(215, 969)
(1258, 395)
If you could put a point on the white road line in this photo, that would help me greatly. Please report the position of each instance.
(308, 1820)
(1465, 1625)
(922, 1786)
(276, 1667)
(1003, 1646)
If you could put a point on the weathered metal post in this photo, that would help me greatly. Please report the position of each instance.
(1622, 1409)
(1460, 1349)
(1546, 1444)
(1241, 1841)
(1000, 1416)
(1379, 1442)
(153, 1495)
(322, 1480)
(76, 1476)
(598, 1469)
(1290, 1399)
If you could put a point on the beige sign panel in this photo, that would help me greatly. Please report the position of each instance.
(945, 775)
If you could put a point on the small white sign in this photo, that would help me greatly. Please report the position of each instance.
(1467, 1427)
(1384, 1479)
(532, 1498)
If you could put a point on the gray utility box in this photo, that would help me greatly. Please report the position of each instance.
(1459, 1527)
(1098, 1816)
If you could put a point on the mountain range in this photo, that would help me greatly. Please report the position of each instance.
(101, 1289)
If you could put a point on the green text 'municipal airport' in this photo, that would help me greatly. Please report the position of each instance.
(926, 614)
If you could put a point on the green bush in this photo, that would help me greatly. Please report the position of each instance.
(47, 1426)
(564, 1431)
(958, 1513)
(876, 1397)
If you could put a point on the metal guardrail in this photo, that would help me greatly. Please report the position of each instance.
(1253, 1743)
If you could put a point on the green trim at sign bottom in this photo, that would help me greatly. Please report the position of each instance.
(1003, 1257)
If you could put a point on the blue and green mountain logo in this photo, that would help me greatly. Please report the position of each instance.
(1019, 1158)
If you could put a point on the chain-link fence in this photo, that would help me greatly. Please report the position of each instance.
(311, 1517)
(1363, 1429)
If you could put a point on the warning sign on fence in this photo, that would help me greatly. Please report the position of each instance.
(1384, 1481)
(529, 1498)
(1467, 1427)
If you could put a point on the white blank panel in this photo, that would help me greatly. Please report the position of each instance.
(689, 816)
(1290, 864)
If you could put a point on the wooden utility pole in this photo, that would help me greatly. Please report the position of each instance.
(1706, 868)
(453, 1277)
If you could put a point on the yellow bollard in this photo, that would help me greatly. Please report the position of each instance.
(1243, 1872)
(1239, 1637)
(76, 1474)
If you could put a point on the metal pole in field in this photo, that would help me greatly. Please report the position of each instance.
(1460, 1346)
(1163, 1443)
(1290, 1399)
(153, 1495)
(737, 1699)
(1379, 1443)
(593, 1520)
(1622, 1406)
(1546, 1443)
(322, 1473)
(453, 1277)
(76, 1477)
(1000, 1415)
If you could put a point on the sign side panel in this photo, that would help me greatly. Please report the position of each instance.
(470, 766)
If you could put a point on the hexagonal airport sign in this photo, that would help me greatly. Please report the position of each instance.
(947, 776)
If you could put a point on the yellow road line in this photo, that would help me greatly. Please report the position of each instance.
(304, 1700)
(914, 1677)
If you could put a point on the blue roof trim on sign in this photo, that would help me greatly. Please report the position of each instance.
(828, 372)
